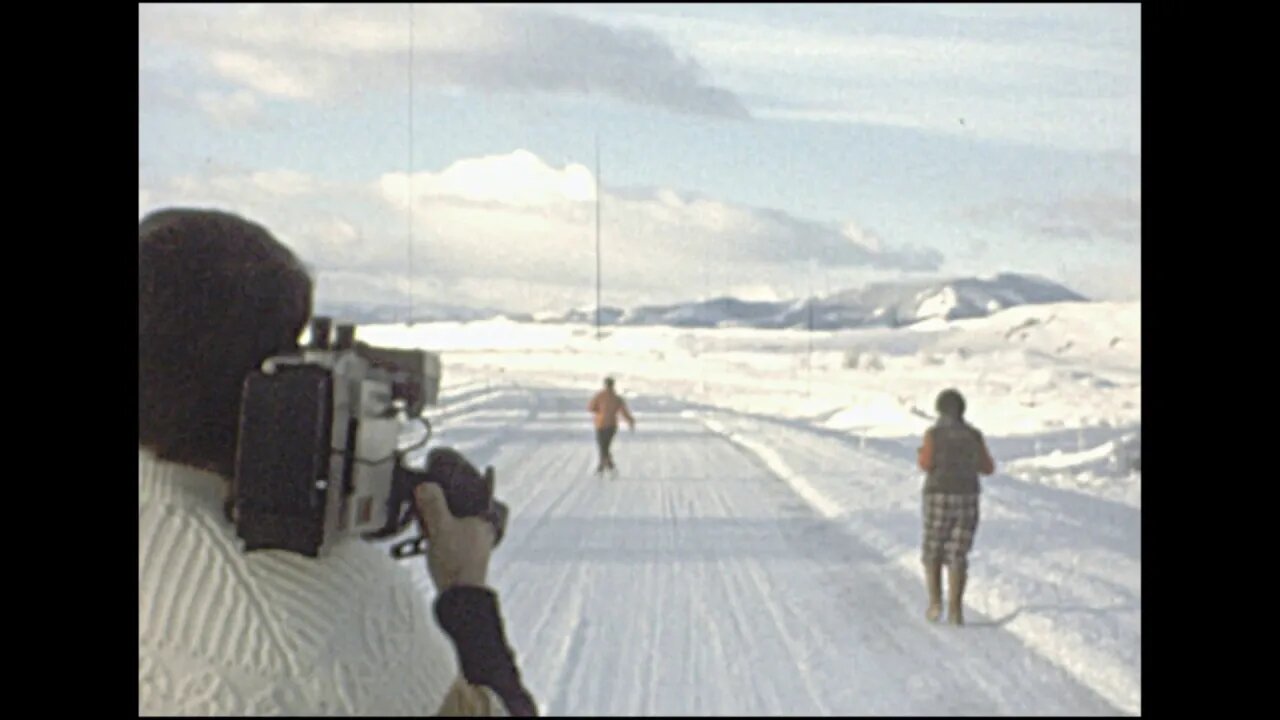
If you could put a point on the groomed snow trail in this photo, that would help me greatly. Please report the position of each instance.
(699, 583)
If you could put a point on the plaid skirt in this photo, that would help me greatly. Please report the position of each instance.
(950, 522)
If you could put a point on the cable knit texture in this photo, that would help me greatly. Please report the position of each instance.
(221, 632)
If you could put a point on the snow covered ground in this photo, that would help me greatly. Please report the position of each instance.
(758, 553)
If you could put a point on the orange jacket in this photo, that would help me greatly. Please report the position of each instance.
(606, 406)
(925, 456)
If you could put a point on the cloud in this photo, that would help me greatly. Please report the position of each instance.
(512, 231)
(284, 182)
(1109, 217)
(542, 217)
(1036, 75)
(326, 223)
(267, 76)
(239, 108)
(520, 179)
(325, 53)
(753, 293)
(858, 236)
(1118, 280)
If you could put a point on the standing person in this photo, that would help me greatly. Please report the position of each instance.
(223, 632)
(953, 454)
(606, 406)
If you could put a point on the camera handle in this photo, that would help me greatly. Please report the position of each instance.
(467, 494)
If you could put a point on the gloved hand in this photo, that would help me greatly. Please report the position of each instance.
(458, 549)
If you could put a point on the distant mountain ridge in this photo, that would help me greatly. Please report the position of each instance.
(887, 304)
(891, 304)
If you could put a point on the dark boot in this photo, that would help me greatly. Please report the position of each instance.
(955, 596)
(933, 582)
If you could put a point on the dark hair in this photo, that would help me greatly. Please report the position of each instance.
(608, 382)
(217, 295)
(950, 403)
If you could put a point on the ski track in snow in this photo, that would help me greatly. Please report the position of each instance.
(699, 582)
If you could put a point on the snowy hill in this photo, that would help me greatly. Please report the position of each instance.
(723, 311)
(898, 304)
(892, 304)
(608, 316)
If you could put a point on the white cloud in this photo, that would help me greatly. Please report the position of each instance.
(284, 182)
(235, 108)
(1118, 280)
(754, 293)
(1043, 75)
(520, 179)
(333, 51)
(267, 76)
(542, 217)
(1040, 75)
(1092, 125)
(513, 231)
(1099, 216)
(860, 237)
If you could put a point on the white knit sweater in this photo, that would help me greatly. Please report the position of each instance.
(221, 632)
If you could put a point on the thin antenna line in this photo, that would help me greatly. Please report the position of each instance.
(598, 310)
(809, 360)
(409, 173)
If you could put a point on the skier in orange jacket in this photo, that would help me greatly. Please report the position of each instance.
(606, 406)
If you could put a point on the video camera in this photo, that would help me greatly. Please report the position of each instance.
(318, 456)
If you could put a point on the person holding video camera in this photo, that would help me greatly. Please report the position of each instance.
(225, 632)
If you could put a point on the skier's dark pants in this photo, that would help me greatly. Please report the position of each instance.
(604, 438)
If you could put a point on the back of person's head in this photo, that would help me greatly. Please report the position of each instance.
(608, 382)
(950, 403)
(217, 295)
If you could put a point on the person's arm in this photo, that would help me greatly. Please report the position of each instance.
(594, 405)
(627, 414)
(458, 551)
(987, 464)
(924, 457)
(471, 617)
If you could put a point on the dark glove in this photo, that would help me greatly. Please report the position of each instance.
(471, 617)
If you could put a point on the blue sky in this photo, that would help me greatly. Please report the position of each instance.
(745, 149)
